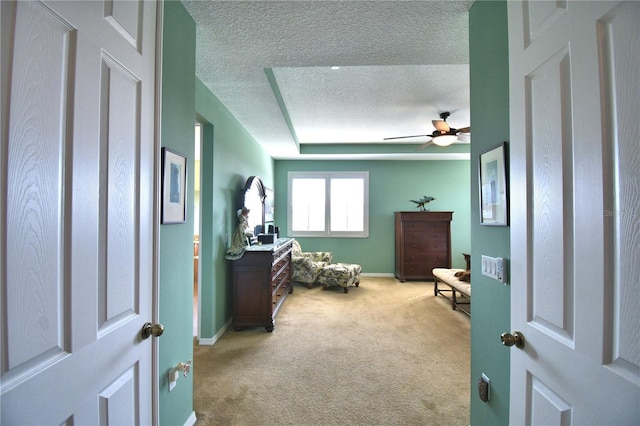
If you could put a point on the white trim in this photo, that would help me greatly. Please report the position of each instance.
(191, 420)
(155, 347)
(377, 274)
(382, 157)
(211, 340)
(199, 271)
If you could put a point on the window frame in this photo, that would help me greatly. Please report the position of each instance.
(327, 176)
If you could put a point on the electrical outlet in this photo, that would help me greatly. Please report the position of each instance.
(173, 378)
(182, 368)
(484, 388)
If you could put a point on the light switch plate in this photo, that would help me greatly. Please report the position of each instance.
(494, 267)
(489, 267)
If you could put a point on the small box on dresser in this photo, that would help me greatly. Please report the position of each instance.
(261, 282)
(422, 242)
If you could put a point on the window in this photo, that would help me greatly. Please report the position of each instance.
(328, 204)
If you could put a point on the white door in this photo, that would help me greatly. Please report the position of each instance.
(77, 211)
(575, 197)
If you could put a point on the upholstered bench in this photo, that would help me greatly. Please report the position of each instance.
(455, 286)
(340, 274)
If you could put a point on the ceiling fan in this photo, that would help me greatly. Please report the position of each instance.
(442, 136)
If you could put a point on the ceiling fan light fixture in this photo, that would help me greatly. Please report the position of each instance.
(444, 140)
(440, 125)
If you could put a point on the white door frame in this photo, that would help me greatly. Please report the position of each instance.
(155, 376)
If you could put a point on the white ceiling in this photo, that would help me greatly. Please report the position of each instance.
(401, 63)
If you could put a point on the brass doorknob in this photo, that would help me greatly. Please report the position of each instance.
(154, 330)
(516, 339)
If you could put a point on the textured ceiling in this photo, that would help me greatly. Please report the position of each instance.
(400, 63)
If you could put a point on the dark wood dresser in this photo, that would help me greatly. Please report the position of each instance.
(261, 283)
(423, 242)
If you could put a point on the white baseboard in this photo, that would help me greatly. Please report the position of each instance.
(377, 274)
(191, 420)
(211, 340)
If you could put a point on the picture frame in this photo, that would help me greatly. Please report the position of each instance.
(174, 187)
(494, 186)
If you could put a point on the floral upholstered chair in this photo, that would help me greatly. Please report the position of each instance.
(307, 265)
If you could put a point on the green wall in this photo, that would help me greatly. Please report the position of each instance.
(490, 310)
(176, 241)
(229, 156)
(391, 185)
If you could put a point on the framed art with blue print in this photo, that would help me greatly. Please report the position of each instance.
(174, 187)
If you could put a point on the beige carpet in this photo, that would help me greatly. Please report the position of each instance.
(386, 353)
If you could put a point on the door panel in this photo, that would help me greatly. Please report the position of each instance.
(126, 19)
(119, 110)
(547, 408)
(551, 156)
(618, 53)
(118, 399)
(36, 191)
(77, 202)
(575, 228)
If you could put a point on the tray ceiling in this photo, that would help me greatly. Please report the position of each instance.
(335, 72)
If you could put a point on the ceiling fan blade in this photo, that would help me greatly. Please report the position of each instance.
(464, 130)
(405, 137)
(440, 125)
(464, 137)
(424, 145)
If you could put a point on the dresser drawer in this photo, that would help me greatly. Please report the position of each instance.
(414, 226)
(278, 294)
(412, 270)
(426, 246)
(414, 237)
(436, 226)
(279, 269)
(437, 246)
(416, 257)
(415, 247)
(441, 260)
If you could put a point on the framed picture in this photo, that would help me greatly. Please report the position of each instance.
(494, 188)
(174, 187)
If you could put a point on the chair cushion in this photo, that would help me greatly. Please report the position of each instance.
(448, 276)
(340, 274)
